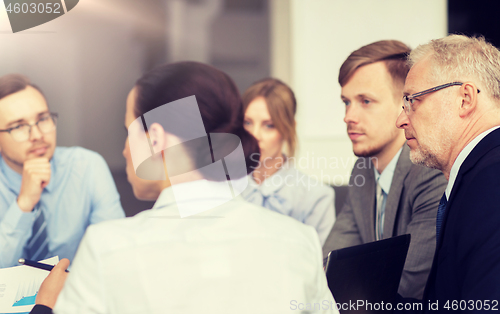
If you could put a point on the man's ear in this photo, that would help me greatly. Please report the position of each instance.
(468, 98)
(158, 137)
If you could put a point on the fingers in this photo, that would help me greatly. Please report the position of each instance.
(39, 160)
(53, 284)
(62, 266)
(36, 176)
(37, 165)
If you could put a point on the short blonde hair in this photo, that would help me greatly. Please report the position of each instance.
(282, 107)
(392, 52)
(458, 57)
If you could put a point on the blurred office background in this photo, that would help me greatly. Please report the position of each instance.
(87, 60)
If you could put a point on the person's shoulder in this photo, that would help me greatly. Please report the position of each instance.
(362, 165)
(485, 170)
(418, 169)
(421, 185)
(233, 221)
(118, 233)
(475, 193)
(306, 185)
(257, 220)
(82, 163)
(418, 174)
(490, 158)
(76, 154)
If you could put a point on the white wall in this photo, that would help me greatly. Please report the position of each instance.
(309, 42)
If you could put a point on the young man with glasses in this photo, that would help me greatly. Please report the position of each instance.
(451, 119)
(48, 194)
(394, 197)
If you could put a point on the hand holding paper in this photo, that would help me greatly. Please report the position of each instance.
(53, 284)
(19, 286)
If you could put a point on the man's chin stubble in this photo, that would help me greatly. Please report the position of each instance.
(426, 159)
(369, 152)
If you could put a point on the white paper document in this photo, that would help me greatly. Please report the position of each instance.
(19, 286)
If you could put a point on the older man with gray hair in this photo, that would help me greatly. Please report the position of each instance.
(451, 118)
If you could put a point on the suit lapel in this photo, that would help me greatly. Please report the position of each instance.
(488, 143)
(391, 206)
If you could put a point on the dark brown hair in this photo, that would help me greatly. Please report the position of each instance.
(13, 83)
(393, 52)
(281, 104)
(218, 100)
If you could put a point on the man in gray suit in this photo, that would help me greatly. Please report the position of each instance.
(387, 195)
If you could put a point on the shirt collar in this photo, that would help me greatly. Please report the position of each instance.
(385, 179)
(200, 191)
(273, 183)
(461, 158)
(166, 199)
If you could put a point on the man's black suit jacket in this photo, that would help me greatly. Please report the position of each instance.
(466, 265)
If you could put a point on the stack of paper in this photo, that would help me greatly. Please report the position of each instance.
(19, 286)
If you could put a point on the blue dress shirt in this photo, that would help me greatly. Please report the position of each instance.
(81, 192)
(295, 194)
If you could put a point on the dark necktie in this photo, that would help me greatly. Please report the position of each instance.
(37, 247)
(440, 215)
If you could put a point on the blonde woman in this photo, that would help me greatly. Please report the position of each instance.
(270, 108)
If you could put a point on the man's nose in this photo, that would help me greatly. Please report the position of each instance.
(351, 114)
(35, 133)
(402, 121)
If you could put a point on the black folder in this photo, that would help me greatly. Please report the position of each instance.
(365, 278)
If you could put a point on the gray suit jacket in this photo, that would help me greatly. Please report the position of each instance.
(411, 207)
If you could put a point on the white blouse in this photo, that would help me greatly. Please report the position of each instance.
(295, 194)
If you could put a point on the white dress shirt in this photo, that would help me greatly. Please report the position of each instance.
(234, 258)
(295, 194)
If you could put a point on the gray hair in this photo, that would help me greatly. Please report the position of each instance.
(459, 57)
